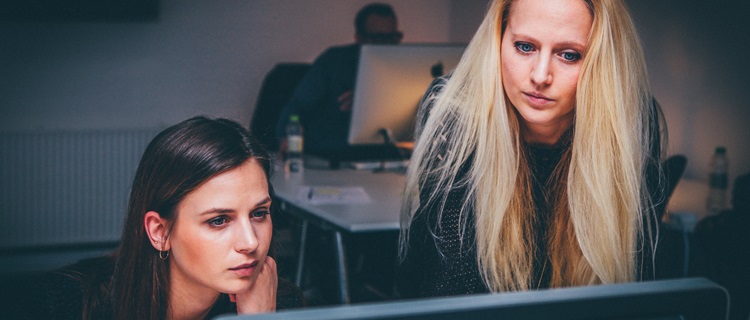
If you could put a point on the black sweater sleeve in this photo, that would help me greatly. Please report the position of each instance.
(440, 260)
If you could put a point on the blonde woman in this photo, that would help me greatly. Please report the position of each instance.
(536, 163)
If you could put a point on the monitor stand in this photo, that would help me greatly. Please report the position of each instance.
(384, 156)
(388, 144)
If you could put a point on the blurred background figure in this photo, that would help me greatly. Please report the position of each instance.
(323, 99)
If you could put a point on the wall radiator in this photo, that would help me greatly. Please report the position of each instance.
(66, 188)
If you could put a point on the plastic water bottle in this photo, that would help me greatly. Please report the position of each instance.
(718, 181)
(295, 143)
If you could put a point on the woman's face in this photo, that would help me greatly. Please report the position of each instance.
(222, 232)
(542, 51)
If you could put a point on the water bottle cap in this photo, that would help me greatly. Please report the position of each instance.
(294, 117)
(721, 150)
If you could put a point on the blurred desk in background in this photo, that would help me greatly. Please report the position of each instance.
(378, 211)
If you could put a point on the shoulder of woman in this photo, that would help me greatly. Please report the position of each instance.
(56, 295)
(428, 101)
(434, 90)
(61, 294)
(288, 295)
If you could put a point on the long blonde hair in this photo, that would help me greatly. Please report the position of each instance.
(472, 140)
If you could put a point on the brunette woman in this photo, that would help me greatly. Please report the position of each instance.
(196, 237)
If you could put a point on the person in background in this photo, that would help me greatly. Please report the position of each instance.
(537, 162)
(195, 241)
(323, 99)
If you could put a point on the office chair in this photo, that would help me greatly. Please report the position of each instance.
(674, 259)
(674, 167)
(277, 88)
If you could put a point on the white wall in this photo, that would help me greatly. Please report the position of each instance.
(697, 53)
(466, 15)
(200, 57)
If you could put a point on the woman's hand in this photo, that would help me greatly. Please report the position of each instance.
(261, 296)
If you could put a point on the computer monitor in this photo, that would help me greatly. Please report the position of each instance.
(391, 80)
(687, 299)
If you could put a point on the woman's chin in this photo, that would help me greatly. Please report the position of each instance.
(237, 286)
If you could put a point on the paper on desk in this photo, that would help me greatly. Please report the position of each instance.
(333, 195)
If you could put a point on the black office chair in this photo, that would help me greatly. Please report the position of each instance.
(674, 259)
(277, 88)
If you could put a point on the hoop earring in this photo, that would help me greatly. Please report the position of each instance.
(164, 256)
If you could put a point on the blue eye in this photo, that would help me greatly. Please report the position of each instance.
(261, 213)
(524, 47)
(218, 221)
(571, 56)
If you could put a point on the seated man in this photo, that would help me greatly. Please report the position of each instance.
(324, 97)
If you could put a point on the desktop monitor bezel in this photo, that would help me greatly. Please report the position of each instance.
(691, 298)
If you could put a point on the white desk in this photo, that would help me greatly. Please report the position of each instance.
(380, 214)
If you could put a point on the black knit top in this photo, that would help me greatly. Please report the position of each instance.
(453, 268)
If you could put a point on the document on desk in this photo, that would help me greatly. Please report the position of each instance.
(333, 195)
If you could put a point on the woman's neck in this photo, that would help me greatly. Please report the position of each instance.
(186, 302)
(548, 135)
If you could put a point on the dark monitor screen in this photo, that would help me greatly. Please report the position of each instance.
(694, 298)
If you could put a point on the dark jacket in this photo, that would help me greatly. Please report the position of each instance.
(315, 99)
